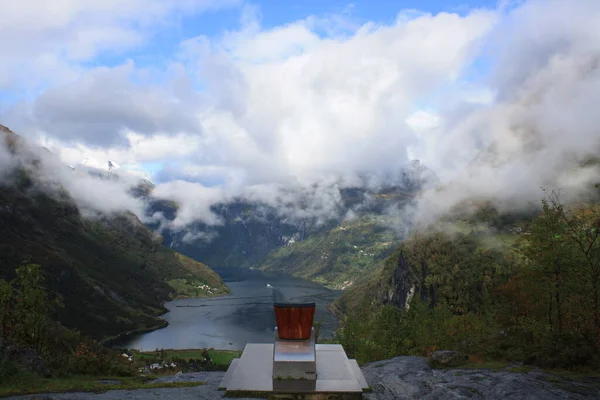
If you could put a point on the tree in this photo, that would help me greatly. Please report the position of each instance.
(550, 254)
(6, 298)
(33, 307)
(580, 227)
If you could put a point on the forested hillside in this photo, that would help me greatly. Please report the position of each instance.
(340, 257)
(112, 272)
(502, 287)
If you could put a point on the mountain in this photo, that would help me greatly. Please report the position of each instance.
(112, 272)
(339, 257)
(336, 250)
(500, 285)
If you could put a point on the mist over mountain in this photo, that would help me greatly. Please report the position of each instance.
(497, 101)
(339, 114)
(112, 272)
(244, 229)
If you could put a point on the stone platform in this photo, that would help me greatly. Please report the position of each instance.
(295, 360)
(337, 377)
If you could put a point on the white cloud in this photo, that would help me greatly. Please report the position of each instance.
(287, 105)
(194, 202)
(44, 41)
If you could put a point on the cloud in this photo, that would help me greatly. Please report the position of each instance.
(290, 114)
(100, 106)
(94, 194)
(44, 41)
(194, 202)
(542, 122)
(6, 161)
(292, 105)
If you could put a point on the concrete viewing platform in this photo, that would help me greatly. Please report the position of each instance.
(252, 374)
(294, 366)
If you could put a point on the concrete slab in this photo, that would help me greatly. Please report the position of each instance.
(285, 370)
(254, 370)
(358, 374)
(295, 359)
(336, 377)
(294, 351)
(227, 378)
(294, 386)
(333, 370)
(329, 347)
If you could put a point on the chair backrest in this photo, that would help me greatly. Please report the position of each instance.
(294, 320)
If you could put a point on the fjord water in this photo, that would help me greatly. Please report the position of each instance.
(245, 316)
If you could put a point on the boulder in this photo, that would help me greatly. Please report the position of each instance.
(448, 358)
(28, 359)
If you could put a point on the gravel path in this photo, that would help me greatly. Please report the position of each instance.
(394, 379)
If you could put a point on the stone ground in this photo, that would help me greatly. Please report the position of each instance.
(396, 378)
(411, 378)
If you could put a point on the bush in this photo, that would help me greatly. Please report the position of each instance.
(8, 370)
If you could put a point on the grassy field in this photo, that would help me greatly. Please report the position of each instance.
(219, 357)
(30, 384)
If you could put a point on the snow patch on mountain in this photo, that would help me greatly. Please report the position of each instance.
(101, 168)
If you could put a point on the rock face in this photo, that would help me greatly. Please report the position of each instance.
(30, 360)
(24, 356)
(396, 287)
(411, 378)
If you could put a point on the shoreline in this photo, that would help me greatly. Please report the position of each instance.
(122, 337)
(109, 341)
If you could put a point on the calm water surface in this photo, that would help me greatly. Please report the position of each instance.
(246, 315)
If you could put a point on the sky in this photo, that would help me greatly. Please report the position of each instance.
(211, 98)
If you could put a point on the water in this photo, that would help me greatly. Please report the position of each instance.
(246, 315)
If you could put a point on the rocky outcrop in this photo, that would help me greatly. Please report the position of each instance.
(412, 378)
(27, 358)
(398, 287)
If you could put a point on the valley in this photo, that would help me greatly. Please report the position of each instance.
(426, 173)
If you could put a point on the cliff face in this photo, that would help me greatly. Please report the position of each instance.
(398, 283)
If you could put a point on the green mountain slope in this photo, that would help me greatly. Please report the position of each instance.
(463, 234)
(525, 291)
(113, 273)
(335, 252)
(340, 257)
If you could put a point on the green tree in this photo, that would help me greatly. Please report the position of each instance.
(580, 228)
(6, 300)
(33, 307)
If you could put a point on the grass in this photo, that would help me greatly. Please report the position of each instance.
(493, 366)
(32, 384)
(555, 375)
(219, 357)
(28, 383)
